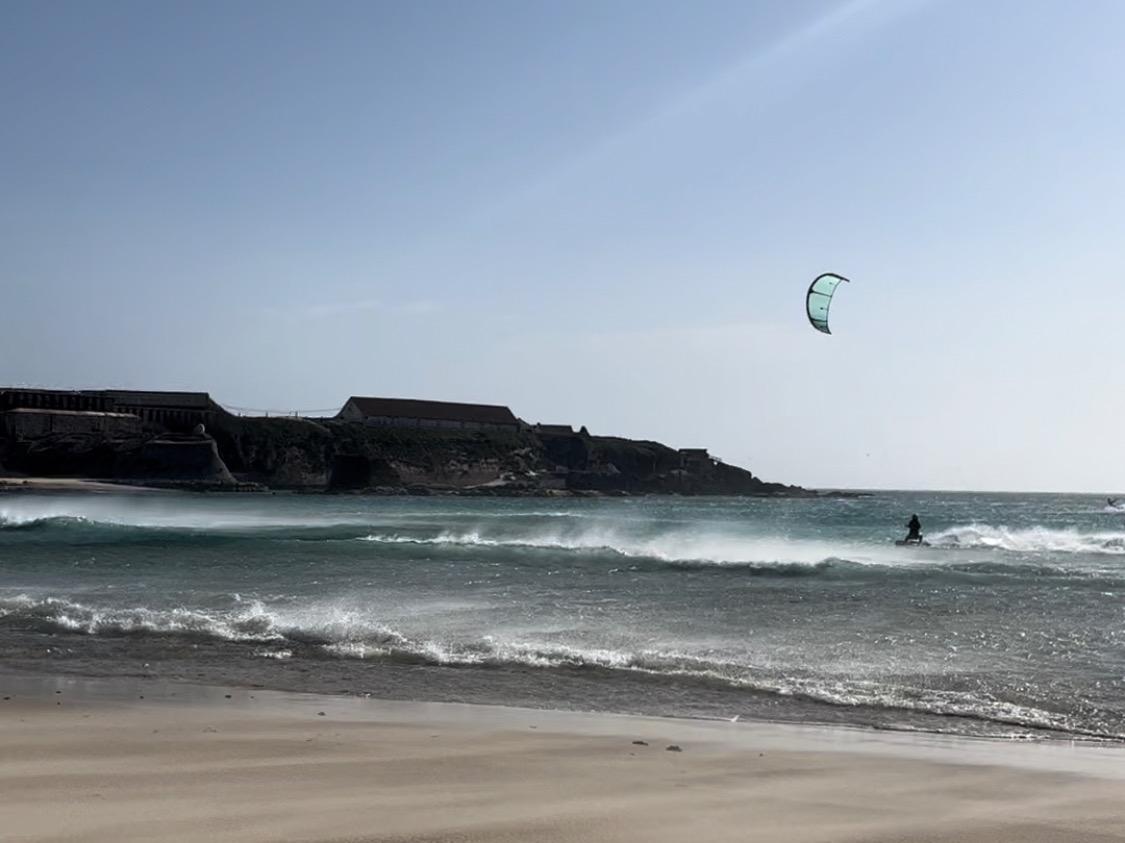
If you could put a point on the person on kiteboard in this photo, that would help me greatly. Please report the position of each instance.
(915, 528)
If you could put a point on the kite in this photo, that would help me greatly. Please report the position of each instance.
(819, 297)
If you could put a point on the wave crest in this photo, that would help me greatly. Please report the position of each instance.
(667, 549)
(1031, 539)
(250, 621)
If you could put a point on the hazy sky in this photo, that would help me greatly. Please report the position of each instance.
(601, 213)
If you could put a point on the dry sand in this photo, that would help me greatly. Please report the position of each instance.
(121, 761)
(62, 484)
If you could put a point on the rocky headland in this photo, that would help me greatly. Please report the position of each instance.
(337, 456)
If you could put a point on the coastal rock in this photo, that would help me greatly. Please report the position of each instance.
(167, 458)
(336, 456)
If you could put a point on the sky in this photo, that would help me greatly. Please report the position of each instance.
(596, 213)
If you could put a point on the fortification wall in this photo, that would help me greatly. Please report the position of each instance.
(32, 424)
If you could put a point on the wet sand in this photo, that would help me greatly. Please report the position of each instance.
(124, 760)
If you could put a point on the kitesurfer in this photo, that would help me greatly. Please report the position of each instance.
(915, 528)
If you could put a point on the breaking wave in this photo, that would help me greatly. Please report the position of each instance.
(1031, 539)
(246, 622)
(670, 547)
(335, 633)
(142, 518)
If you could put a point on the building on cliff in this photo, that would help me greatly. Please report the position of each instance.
(23, 423)
(554, 430)
(696, 461)
(174, 410)
(54, 399)
(406, 412)
(178, 411)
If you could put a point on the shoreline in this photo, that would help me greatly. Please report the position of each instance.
(1079, 756)
(39, 485)
(144, 660)
(33, 485)
(143, 760)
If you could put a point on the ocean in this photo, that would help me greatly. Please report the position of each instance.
(1011, 625)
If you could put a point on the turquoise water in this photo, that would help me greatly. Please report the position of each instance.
(1011, 624)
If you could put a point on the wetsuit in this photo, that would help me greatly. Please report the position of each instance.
(915, 527)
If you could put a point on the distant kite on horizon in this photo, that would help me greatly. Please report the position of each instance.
(819, 297)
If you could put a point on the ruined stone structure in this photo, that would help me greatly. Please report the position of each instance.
(696, 461)
(176, 411)
(55, 399)
(554, 430)
(29, 424)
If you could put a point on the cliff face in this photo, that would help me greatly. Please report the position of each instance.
(606, 463)
(168, 458)
(336, 456)
(340, 456)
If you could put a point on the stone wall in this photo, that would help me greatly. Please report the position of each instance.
(174, 411)
(32, 424)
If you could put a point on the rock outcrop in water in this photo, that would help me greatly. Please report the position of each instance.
(331, 455)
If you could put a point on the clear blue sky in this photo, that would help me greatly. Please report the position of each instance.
(599, 213)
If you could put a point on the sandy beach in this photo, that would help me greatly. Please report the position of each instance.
(95, 760)
(65, 484)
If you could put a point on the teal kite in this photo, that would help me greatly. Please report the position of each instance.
(819, 297)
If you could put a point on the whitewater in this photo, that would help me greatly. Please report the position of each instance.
(1011, 624)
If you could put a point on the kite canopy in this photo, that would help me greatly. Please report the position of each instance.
(819, 297)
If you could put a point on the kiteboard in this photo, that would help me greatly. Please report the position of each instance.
(905, 543)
